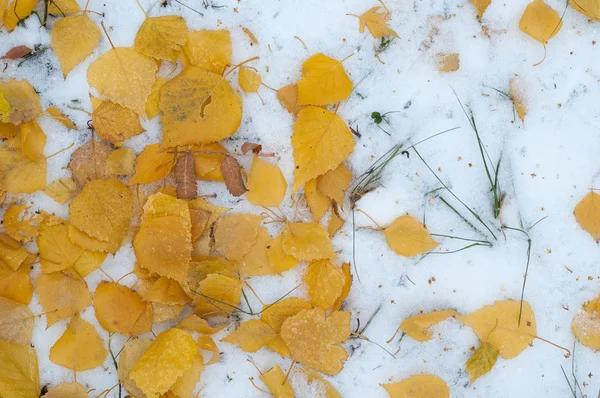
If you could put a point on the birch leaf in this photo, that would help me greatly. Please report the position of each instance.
(61, 190)
(417, 327)
(16, 324)
(334, 183)
(307, 242)
(316, 200)
(161, 37)
(266, 184)
(73, 40)
(120, 162)
(540, 21)
(251, 335)
(517, 95)
(132, 352)
(61, 118)
(152, 164)
(16, 285)
(62, 295)
(19, 103)
(236, 234)
(208, 49)
(89, 162)
(115, 124)
(67, 390)
(121, 310)
(482, 361)
(277, 382)
(279, 259)
(586, 324)
(587, 213)
(20, 376)
(18, 173)
(325, 281)
(16, 11)
(376, 21)
(79, 348)
(481, 6)
(419, 386)
(324, 81)
(408, 237)
(33, 140)
(249, 80)
(219, 295)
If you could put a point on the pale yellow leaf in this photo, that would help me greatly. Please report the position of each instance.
(73, 40)
(161, 37)
(418, 386)
(418, 326)
(408, 237)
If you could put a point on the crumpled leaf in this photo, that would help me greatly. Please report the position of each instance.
(61, 118)
(18, 173)
(198, 106)
(376, 21)
(168, 357)
(115, 124)
(208, 49)
(540, 21)
(232, 175)
(587, 213)
(120, 162)
(125, 77)
(235, 234)
(12, 253)
(417, 327)
(152, 164)
(586, 324)
(67, 390)
(334, 183)
(185, 175)
(16, 285)
(61, 190)
(312, 339)
(280, 260)
(251, 335)
(307, 241)
(266, 184)
(408, 237)
(418, 386)
(62, 295)
(16, 322)
(79, 348)
(325, 281)
(517, 96)
(89, 162)
(73, 40)
(163, 245)
(217, 295)
(161, 37)
(481, 6)
(323, 82)
(321, 141)
(17, 10)
(20, 224)
(16, 52)
(121, 310)
(288, 98)
(249, 80)
(33, 140)
(196, 324)
(278, 383)
(20, 376)
(102, 210)
(132, 352)
(498, 324)
(482, 361)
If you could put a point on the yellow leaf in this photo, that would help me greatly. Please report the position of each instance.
(33, 140)
(249, 80)
(591, 8)
(85, 241)
(165, 312)
(186, 383)
(481, 6)
(121, 310)
(321, 141)
(152, 164)
(448, 62)
(208, 49)
(376, 22)
(279, 259)
(73, 40)
(251, 335)
(88, 262)
(278, 383)
(330, 392)
(275, 314)
(419, 386)
(417, 327)
(67, 390)
(88, 162)
(278, 345)
(63, 7)
(288, 98)
(345, 289)
(168, 357)
(316, 200)
(206, 343)
(16, 285)
(79, 348)
(587, 213)
(165, 291)
(7, 130)
(132, 352)
(161, 37)
(218, 294)
(307, 241)
(499, 325)
(16, 11)
(517, 96)
(154, 97)
(210, 265)
(11, 252)
(61, 190)
(18, 173)
(335, 222)
(323, 82)
(198, 106)
(163, 244)
(23, 102)
(334, 183)
(408, 237)
(62, 295)
(256, 262)
(120, 162)
(125, 77)
(20, 376)
(236, 234)
(586, 325)
(102, 210)
(208, 161)
(20, 224)
(325, 281)
(115, 124)
(61, 118)
(197, 324)
(266, 184)
(16, 326)
(540, 21)
(312, 339)
(482, 361)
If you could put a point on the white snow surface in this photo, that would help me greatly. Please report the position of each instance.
(548, 166)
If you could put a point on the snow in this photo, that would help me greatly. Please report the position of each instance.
(547, 167)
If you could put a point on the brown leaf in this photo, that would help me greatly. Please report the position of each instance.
(232, 173)
(17, 52)
(89, 162)
(250, 146)
(185, 175)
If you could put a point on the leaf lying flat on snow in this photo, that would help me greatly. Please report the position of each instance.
(79, 348)
(62, 296)
(587, 213)
(376, 21)
(307, 242)
(482, 361)
(115, 124)
(325, 281)
(540, 21)
(18, 173)
(17, 52)
(208, 49)
(19, 103)
(16, 322)
(251, 335)
(73, 40)
(417, 327)
(408, 237)
(121, 310)
(249, 80)
(418, 386)
(161, 37)
(152, 164)
(324, 81)
(277, 382)
(266, 184)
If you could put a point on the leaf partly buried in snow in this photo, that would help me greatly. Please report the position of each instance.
(586, 324)
(324, 81)
(408, 237)
(73, 40)
(277, 382)
(587, 213)
(161, 37)
(515, 92)
(67, 390)
(418, 386)
(481, 6)
(417, 327)
(79, 348)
